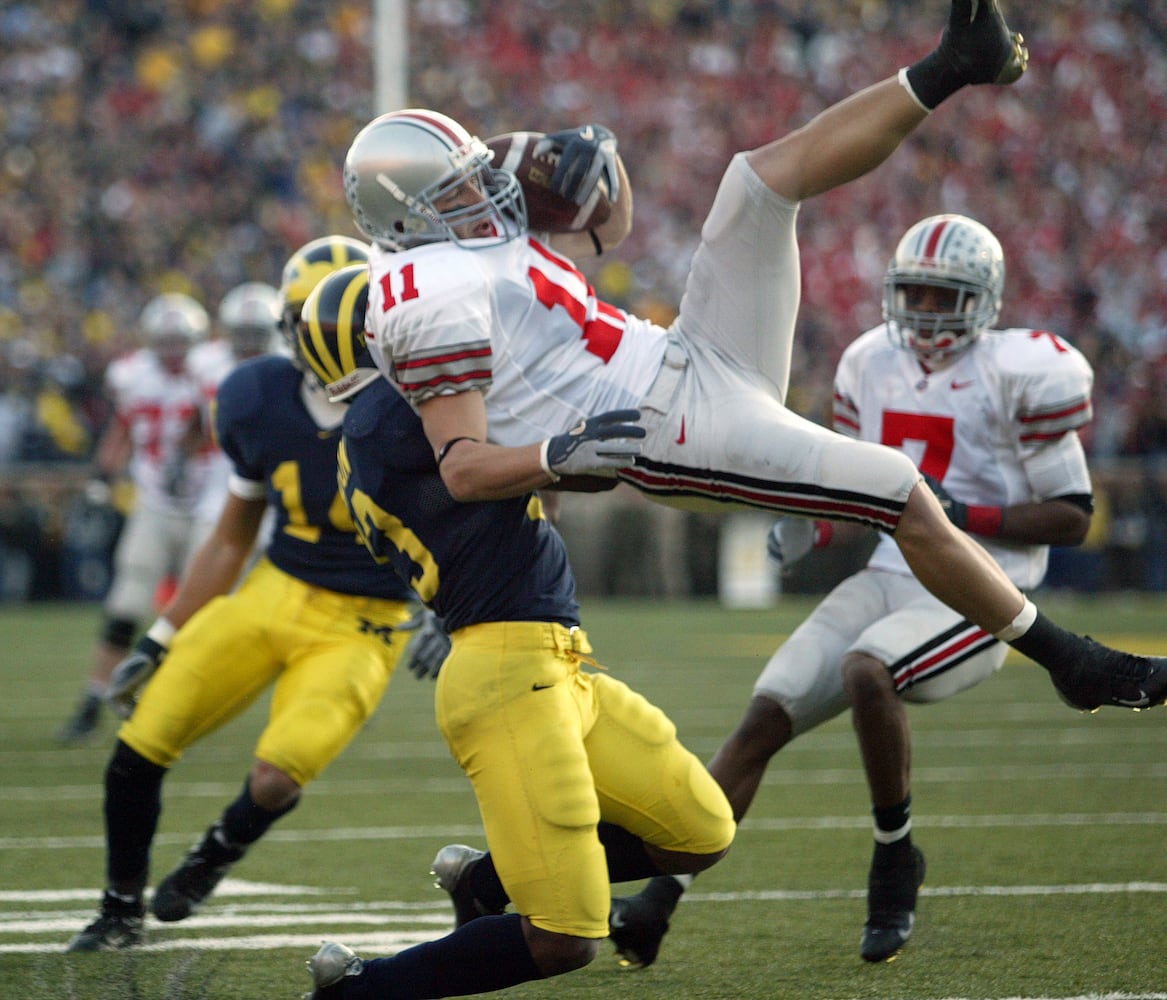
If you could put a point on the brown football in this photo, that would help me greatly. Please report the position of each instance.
(533, 162)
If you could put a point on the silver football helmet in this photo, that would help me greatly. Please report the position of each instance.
(171, 325)
(249, 315)
(958, 256)
(403, 163)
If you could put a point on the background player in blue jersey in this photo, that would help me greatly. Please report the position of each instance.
(316, 618)
(579, 780)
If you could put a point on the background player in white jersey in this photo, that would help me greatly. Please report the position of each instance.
(316, 620)
(990, 417)
(155, 398)
(500, 344)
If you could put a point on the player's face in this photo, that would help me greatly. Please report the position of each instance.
(930, 299)
(466, 195)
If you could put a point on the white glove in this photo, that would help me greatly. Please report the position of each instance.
(790, 539)
(428, 646)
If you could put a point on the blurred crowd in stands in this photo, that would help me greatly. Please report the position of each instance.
(189, 145)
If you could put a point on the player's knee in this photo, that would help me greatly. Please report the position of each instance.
(272, 788)
(865, 678)
(555, 954)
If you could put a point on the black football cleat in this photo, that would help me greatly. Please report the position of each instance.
(891, 907)
(118, 926)
(1109, 677)
(979, 45)
(184, 889)
(452, 869)
(82, 725)
(636, 930)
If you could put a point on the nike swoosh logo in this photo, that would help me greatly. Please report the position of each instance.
(1142, 702)
(616, 921)
(541, 687)
(681, 439)
(961, 385)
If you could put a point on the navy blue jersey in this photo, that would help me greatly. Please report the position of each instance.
(492, 561)
(265, 429)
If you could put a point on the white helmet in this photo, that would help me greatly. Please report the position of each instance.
(951, 252)
(403, 162)
(173, 323)
(249, 315)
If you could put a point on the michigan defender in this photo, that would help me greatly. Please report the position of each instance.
(579, 779)
(316, 620)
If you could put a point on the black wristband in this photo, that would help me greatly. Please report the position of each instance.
(445, 449)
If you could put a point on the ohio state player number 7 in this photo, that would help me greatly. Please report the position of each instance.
(936, 433)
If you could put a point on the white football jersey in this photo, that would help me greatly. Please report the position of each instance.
(209, 362)
(156, 406)
(518, 322)
(983, 426)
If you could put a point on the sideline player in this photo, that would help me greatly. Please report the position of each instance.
(991, 419)
(316, 619)
(579, 780)
(500, 343)
(155, 400)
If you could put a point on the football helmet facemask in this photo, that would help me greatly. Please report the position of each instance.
(172, 324)
(403, 164)
(249, 315)
(331, 334)
(954, 254)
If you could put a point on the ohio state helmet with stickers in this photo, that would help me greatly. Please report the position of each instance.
(956, 255)
(249, 315)
(402, 164)
(330, 335)
(172, 324)
(306, 268)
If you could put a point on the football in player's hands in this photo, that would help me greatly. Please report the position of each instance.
(532, 157)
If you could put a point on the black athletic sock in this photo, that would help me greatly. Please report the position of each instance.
(1048, 644)
(486, 885)
(662, 894)
(244, 822)
(487, 954)
(133, 803)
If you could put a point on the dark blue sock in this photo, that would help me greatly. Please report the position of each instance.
(133, 803)
(244, 822)
(487, 954)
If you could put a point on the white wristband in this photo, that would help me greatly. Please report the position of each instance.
(162, 632)
(543, 461)
(902, 76)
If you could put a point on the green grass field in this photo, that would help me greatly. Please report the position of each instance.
(1044, 831)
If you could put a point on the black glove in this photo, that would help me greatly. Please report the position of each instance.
(589, 156)
(131, 675)
(428, 647)
(594, 446)
(956, 511)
